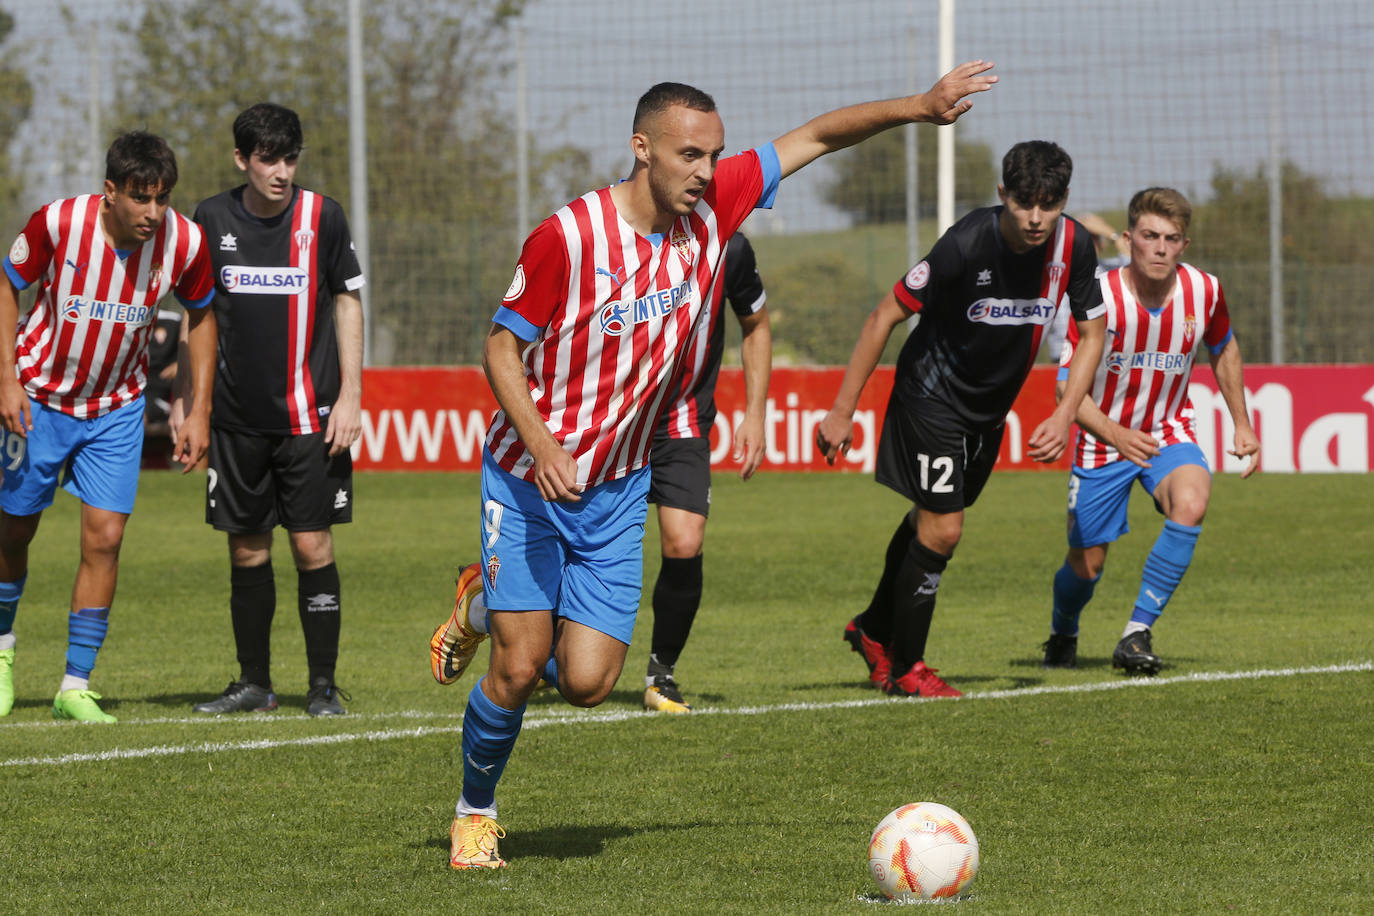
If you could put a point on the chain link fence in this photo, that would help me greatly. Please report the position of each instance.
(1206, 99)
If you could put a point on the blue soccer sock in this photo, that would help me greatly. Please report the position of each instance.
(1071, 595)
(85, 633)
(551, 672)
(10, 593)
(1164, 569)
(489, 733)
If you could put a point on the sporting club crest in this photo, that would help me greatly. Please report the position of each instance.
(493, 567)
(682, 244)
(1189, 329)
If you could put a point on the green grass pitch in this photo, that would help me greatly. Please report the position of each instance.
(1238, 780)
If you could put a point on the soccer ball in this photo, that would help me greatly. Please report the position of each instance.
(923, 851)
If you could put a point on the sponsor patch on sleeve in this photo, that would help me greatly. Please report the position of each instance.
(19, 251)
(918, 276)
(517, 285)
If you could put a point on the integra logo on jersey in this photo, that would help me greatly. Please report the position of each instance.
(619, 317)
(75, 308)
(1012, 311)
(264, 280)
(1154, 360)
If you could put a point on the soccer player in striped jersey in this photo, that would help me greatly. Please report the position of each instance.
(288, 401)
(680, 462)
(986, 294)
(72, 379)
(582, 356)
(1137, 426)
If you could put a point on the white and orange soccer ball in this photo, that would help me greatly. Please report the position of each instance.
(924, 851)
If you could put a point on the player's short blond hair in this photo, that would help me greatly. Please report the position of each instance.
(1165, 202)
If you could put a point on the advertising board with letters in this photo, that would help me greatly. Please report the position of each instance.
(1310, 419)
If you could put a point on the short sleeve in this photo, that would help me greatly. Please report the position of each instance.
(1084, 290)
(31, 252)
(1218, 324)
(743, 286)
(942, 265)
(540, 285)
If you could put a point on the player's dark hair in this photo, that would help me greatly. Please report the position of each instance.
(1165, 202)
(1037, 172)
(272, 131)
(139, 160)
(663, 96)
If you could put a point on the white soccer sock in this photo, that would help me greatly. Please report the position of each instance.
(477, 614)
(72, 682)
(6, 641)
(1133, 626)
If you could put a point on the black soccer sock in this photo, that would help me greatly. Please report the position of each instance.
(318, 601)
(677, 595)
(252, 605)
(913, 604)
(876, 621)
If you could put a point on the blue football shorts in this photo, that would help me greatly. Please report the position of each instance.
(584, 560)
(1098, 496)
(97, 457)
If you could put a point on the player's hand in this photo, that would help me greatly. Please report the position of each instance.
(1135, 445)
(555, 473)
(345, 425)
(14, 408)
(1049, 440)
(947, 98)
(749, 446)
(834, 435)
(1247, 446)
(192, 441)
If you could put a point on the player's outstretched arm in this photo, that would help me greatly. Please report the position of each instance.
(555, 471)
(14, 400)
(1051, 437)
(193, 438)
(1230, 373)
(756, 355)
(835, 130)
(346, 418)
(835, 433)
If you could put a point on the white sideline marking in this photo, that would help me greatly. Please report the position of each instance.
(588, 717)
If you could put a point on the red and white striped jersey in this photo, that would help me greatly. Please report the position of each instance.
(609, 314)
(1142, 382)
(83, 347)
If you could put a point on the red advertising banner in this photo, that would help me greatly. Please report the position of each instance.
(1309, 418)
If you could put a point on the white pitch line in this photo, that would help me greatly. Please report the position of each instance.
(585, 717)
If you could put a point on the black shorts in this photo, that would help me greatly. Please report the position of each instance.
(258, 482)
(931, 457)
(680, 474)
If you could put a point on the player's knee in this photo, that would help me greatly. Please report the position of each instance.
(584, 693)
(1188, 508)
(312, 549)
(513, 680)
(102, 538)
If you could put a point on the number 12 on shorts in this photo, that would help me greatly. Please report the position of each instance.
(942, 466)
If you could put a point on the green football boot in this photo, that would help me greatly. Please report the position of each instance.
(80, 705)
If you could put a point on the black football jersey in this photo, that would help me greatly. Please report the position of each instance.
(983, 311)
(275, 283)
(693, 409)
